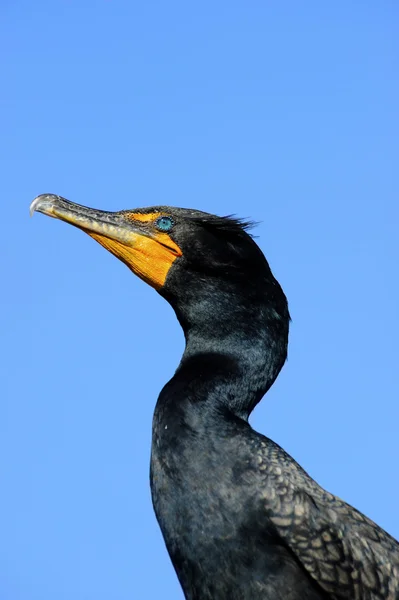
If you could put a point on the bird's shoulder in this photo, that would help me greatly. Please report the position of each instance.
(344, 551)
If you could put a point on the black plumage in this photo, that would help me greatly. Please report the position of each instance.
(240, 518)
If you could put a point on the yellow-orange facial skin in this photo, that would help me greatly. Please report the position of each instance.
(143, 217)
(150, 258)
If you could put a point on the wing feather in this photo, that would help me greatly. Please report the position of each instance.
(349, 556)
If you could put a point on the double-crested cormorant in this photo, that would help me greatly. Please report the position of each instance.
(240, 518)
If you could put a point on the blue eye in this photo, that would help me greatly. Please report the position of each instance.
(164, 223)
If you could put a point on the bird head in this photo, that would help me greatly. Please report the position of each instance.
(155, 241)
(206, 266)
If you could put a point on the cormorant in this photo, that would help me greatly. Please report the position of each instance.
(240, 518)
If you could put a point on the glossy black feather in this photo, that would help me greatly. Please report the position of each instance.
(240, 518)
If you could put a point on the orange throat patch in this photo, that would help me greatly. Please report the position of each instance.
(150, 258)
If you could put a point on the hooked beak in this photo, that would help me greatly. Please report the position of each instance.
(108, 224)
(147, 252)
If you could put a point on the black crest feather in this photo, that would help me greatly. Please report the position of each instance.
(230, 224)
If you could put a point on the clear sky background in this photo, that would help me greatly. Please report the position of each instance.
(286, 112)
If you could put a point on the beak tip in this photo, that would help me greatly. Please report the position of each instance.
(32, 206)
(44, 201)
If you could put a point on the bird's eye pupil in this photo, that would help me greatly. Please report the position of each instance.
(165, 223)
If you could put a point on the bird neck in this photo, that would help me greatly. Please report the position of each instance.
(233, 375)
(233, 352)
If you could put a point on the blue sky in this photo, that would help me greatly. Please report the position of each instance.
(285, 112)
